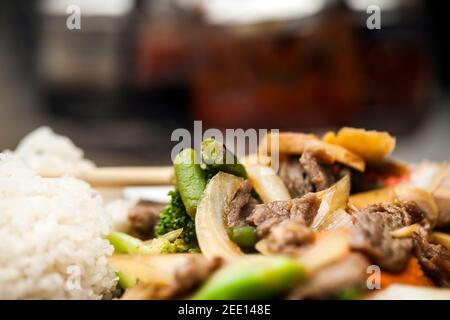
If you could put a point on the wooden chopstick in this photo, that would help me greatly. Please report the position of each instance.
(120, 176)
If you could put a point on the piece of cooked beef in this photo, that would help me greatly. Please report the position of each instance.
(288, 237)
(267, 216)
(193, 273)
(295, 179)
(434, 259)
(188, 276)
(313, 172)
(317, 166)
(143, 218)
(241, 206)
(371, 233)
(347, 273)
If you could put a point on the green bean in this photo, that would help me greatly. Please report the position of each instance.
(243, 236)
(126, 280)
(190, 180)
(218, 158)
(253, 277)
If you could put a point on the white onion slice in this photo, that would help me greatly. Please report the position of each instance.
(267, 183)
(209, 219)
(333, 198)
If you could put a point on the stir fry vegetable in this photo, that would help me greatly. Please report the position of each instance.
(190, 179)
(255, 277)
(209, 221)
(174, 217)
(243, 236)
(267, 183)
(370, 145)
(297, 143)
(126, 244)
(333, 199)
(442, 238)
(217, 158)
(150, 269)
(126, 280)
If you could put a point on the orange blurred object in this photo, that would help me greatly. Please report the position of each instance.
(412, 275)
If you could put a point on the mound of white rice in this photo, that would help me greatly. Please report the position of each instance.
(44, 150)
(52, 237)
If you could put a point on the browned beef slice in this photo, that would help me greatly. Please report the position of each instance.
(371, 233)
(187, 277)
(143, 217)
(241, 206)
(289, 237)
(349, 272)
(192, 274)
(294, 177)
(434, 259)
(266, 216)
(317, 166)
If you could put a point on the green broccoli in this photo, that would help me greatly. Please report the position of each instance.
(173, 217)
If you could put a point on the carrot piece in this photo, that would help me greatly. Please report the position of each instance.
(412, 275)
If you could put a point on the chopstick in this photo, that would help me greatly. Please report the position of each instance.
(120, 176)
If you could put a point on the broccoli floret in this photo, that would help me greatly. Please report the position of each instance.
(173, 217)
(179, 246)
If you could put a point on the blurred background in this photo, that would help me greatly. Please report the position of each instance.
(138, 69)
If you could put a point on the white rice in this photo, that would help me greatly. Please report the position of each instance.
(52, 237)
(43, 150)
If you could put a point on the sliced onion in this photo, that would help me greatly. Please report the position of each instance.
(405, 232)
(441, 238)
(267, 183)
(428, 175)
(261, 247)
(334, 198)
(209, 219)
(336, 220)
(330, 247)
(151, 269)
(407, 292)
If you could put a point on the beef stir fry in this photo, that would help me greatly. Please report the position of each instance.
(229, 226)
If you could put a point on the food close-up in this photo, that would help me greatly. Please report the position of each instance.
(224, 150)
(234, 229)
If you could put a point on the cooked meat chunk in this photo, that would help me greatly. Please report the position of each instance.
(349, 272)
(187, 277)
(289, 237)
(295, 179)
(267, 216)
(241, 206)
(371, 233)
(317, 166)
(143, 217)
(434, 259)
(313, 172)
(192, 274)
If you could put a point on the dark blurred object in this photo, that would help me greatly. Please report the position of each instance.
(312, 68)
(320, 71)
(436, 15)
